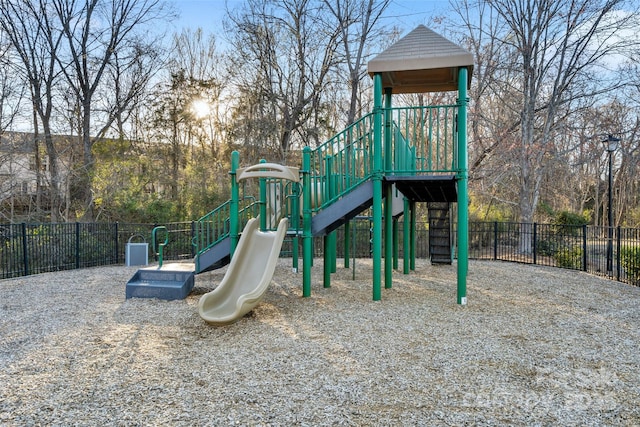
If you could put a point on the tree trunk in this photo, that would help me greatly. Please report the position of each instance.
(87, 163)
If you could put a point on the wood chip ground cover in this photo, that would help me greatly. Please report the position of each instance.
(534, 346)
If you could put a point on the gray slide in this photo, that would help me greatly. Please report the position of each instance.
(247, 277)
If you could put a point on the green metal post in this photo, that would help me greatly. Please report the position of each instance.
(388, 197)
(234, 227)
(263, 201)
(347, 243)
(463, 198)
(329, 241)
(295, 223)
(377, 186)
(333, 185)
(395, 243)
(412, 257)
(307, 237)
(406, 236)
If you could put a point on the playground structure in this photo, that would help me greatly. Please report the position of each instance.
(387, 161)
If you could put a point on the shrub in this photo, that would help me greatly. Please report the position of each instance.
(546, 247)
(630, 261)
(569, 224)
(570, 218)
(569, 258)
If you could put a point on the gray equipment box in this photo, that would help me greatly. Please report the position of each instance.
(137, 253)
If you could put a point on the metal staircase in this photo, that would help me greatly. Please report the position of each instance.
(440, 241)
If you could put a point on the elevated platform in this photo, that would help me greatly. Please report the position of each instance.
(426, 188)
(172, 281)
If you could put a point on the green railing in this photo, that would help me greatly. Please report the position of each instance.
(418, 140)
(423, 139)
(158, 244)
(215, 226)
(344, 162)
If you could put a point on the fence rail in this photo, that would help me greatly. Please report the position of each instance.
(613, 253)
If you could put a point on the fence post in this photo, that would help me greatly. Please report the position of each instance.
(25, 253)
(535, 239)
(192, 247)
(584, 248)
(495, 240)
(117, 243)
(77, 245)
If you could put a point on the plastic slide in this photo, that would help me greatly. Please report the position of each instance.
(247, 277)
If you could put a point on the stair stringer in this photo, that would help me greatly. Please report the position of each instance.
(351, 204)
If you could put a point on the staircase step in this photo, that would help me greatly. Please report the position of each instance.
(172, 281)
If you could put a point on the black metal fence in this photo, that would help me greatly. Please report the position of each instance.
(604, 251)
(610, 252)
(38, 248)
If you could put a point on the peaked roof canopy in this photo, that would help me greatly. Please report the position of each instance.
(421, 61)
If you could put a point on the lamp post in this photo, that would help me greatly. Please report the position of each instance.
(611, 145)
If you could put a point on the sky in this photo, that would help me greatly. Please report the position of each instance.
(208, 14)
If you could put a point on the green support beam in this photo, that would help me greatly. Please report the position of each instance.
(263, 201)
(307, 237)
(295, 224)
(412, 236)
(234, 211)
(377, 187)
(388, 196)
(406, 237)
(395, 244)
(327, 241)
(463, 198)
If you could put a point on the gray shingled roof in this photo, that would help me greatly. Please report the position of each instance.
(421, 61)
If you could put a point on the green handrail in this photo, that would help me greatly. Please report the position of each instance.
(159, 252)
(348, 152)
(422, 140)
(214, 227)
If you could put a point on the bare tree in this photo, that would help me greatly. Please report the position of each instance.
(95, 33)
(291, 53)
(11, 89)
(27, 24)
(556, 54)
(358, 22)
(196, 57)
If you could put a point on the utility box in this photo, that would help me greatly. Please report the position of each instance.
(137, 253)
